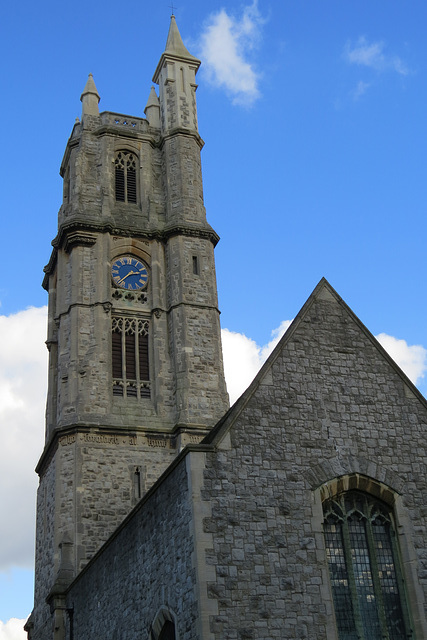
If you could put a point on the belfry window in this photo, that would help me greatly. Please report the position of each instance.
(364, 569)
(131, 374)
(125, 176)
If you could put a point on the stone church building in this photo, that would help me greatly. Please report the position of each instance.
(298, 513)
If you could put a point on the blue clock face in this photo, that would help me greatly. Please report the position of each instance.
(129, 273)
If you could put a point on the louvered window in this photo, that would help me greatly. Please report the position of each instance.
(130, 365)
(125, 176)
(365, 574)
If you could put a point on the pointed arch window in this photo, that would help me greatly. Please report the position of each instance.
(131, 372)
(125, 165)
(168, 631)
(164, 626)
(364, 568)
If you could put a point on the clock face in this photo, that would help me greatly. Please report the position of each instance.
(129, 273)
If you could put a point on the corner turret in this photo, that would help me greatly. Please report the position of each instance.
(152, 109)
(90, 98)
(176, 76)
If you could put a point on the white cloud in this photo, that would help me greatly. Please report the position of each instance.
(23, 380)
(369, 55)
(372, 55)
(412, 359)
(243, 358)
(361, 88)
(13, 629)
(224, 48)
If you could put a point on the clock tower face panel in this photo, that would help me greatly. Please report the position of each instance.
(129, 273)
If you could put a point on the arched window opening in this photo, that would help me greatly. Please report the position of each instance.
(168, 631)
(164, 626)
(125, 177)
(130, 366)
(364, 568)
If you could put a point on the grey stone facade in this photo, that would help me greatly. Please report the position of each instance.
(329, 404)
(120, 576)
(160, 509)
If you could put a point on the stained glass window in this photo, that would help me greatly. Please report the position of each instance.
(364, 570)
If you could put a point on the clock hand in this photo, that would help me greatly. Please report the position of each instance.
(131, 273)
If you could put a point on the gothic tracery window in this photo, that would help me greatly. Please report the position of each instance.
(125, 176)
(131, 374)
(364, 569)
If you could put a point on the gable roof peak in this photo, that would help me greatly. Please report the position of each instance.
(324, 290)
(339, 341)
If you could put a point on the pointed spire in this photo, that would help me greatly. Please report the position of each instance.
(174, 43)
(175, 50)
(90, 98)
(153, 100)
(152, 109)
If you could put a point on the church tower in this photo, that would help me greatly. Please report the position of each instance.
(135, 361)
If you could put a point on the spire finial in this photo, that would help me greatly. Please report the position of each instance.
(172, 8)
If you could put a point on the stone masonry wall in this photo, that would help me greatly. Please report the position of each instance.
(45, 550)
(330, 405)
(90, 485)
(55, 523)
(114, 471)
(194, 331)
(183, 176)
(182, 282)
(147, 565)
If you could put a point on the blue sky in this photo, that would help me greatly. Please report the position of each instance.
(313, 114)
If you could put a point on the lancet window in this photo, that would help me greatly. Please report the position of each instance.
(131, 373)
(163, 627)
(364, 569)
(168, 631)
(125, 176)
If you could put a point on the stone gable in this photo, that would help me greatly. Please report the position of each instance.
(328, 403)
